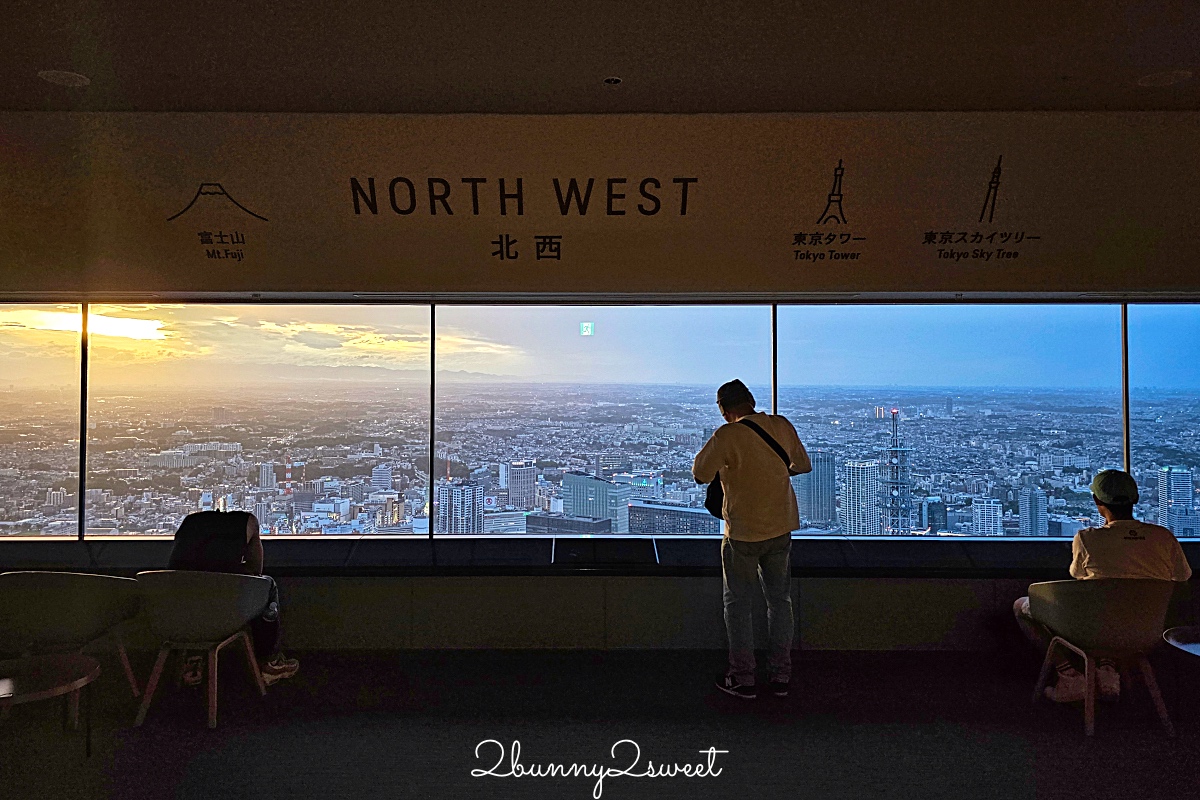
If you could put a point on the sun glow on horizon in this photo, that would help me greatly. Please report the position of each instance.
(72, 322)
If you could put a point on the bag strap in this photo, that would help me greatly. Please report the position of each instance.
(766, 437)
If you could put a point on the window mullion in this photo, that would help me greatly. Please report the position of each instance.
(81, 483)
(1125, 439)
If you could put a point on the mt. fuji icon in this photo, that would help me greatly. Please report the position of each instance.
(214, 190)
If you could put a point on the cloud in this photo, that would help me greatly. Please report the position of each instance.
(300, 337)
(460, 344)
(318, 341)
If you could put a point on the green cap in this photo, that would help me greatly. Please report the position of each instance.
(1113, 487)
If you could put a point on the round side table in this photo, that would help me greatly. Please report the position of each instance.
(27, 680)
(1185, 638)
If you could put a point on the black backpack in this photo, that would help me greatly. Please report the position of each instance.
(715, 498)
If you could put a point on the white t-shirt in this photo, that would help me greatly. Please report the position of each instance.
(1128, 548)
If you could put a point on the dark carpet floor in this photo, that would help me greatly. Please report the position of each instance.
(396, 725)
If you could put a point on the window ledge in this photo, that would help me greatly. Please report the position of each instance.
(329, 556)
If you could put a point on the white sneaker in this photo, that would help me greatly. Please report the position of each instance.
(1070, 686)
(1109, 680)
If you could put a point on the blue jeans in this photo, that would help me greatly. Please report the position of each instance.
(745, 567)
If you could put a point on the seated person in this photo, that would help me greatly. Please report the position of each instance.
(228, 541)
(1123, 548)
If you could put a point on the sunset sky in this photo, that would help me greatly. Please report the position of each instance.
(1008, 345)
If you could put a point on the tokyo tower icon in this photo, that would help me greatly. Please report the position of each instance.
(214, 190)
(833, 206)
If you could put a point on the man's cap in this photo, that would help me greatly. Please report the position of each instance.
(1112, 487)
(734, 394)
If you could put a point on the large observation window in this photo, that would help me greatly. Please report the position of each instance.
(585, 420)
(1164, 384)
(985, 420)
(315, 418)
(570, 421)
(39, 419)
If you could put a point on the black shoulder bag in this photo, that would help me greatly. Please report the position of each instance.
(715, 497)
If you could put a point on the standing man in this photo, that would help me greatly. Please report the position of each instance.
(760, 514)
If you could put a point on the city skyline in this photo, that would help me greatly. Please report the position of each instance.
(617, 432)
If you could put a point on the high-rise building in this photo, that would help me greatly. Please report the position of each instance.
(504, 522)
(459, 507)
(644, 483)
(545, 522)
(896, 484)
(611, 462)
(860, 499)
(221, 416)
(949, 406)
(171, 459)
(1035, 516)
(266, 475)
(816, 491)
(1174, 492)
(933, 517)
(665, 518)
(522, 485)
(381, 478)
(1184, 523)
(337, 507)
(386, 508)
(586, 495)
(986, 517)
(1062, 525)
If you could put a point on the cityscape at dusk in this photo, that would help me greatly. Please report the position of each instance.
(316, 419)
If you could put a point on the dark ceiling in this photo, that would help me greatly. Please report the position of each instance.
(527, 56)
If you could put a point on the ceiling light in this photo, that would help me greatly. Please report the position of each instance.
(64, 78)
(612, 81)
(1168, 78)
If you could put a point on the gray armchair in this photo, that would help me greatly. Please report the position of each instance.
(56, 612)
(1119, 618)
(201, 611)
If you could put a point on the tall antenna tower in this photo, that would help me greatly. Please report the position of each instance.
(833, 206)
(896, 484)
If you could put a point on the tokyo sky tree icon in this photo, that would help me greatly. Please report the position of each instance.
(989, 201)
(214, 190)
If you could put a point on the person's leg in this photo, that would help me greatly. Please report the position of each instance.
(265, 631)
(739, 573)
(775, 569)
(1037, 633)
(265, 634)
(1070, 683)
(265, 627)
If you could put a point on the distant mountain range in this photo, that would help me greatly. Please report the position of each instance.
(216, 374)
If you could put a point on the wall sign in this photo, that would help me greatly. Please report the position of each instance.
(867, 203)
